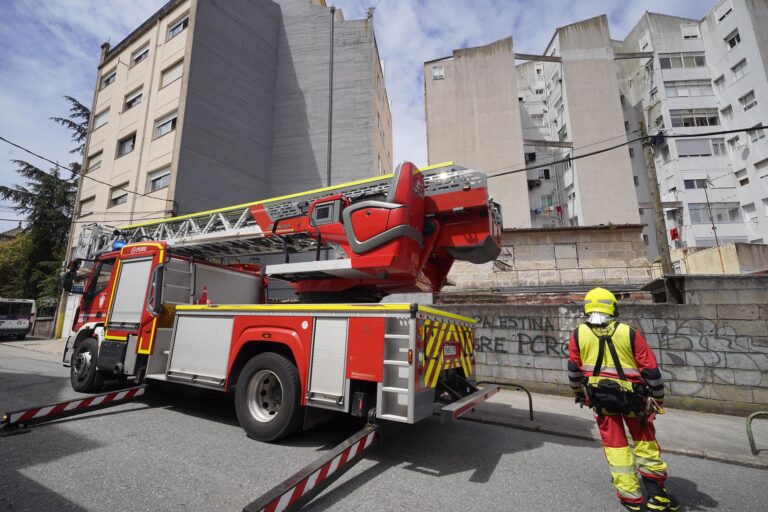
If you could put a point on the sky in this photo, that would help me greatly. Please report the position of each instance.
(50, 48)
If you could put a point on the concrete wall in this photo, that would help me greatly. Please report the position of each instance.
(739, 258)
(559, 257)
(473, 118)
(226, 130)
(712, 357)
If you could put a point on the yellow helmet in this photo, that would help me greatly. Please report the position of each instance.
(600, 300)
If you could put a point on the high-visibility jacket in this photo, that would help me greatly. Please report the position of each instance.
(635, 356)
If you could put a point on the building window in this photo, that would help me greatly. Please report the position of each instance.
(126, 145)
(171, 74)
(689, 31)
(740, 69)
(158, 179)
(544, 174)
(636, 180)
(694, 184)
(118, 195)
(720, 83)
(723, 213)
(539, 91)
(733, 143)
(381, 169)
(100, 119)
(660, 122)
(438, 72)
(140, 55)
(626, 126)
(694, 117)
(631, 152)
(727, 113)
(645, 239)
(644, 41)
(688, 88)
(108, 78)
(743, 181)
(756, 133)
(94, 162)
(86, 207)
(682, 60)
(694, 147)
(750, 212)
(718, 147)
(537, 119)
(562, 133)
(132, 99)
(723, 10)
(165, 124)
(733, 39)
(664, 153)
(748, 100)
(178, 27)
(546, 201)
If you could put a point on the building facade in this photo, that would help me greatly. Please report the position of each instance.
(209, 104)
(587, 92)
(705, 76)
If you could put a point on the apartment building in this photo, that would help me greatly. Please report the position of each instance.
(493, 115)
(706, 75)
(208, 104)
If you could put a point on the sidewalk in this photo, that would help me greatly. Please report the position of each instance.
(710, 436)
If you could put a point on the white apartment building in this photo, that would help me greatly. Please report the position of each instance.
(705, 76)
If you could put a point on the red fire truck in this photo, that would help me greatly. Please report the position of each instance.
(182, 300)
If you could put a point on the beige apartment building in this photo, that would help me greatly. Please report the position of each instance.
(210, 104)
(492, 114)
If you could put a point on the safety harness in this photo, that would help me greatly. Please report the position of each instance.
(609, 395)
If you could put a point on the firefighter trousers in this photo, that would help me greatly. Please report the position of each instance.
(622, 459)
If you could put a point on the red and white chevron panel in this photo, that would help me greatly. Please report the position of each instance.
(48, 412)
(316, 479)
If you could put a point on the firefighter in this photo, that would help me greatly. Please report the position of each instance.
(612, 369)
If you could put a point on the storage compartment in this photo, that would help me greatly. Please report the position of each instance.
(200, 350)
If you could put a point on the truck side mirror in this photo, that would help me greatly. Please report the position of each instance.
(68, 282)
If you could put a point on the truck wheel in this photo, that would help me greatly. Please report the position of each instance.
(267, 397)
(83, 374)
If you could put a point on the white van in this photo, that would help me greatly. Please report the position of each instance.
(17, 317)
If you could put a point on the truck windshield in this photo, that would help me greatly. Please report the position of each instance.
(15, 310)
(104, 273)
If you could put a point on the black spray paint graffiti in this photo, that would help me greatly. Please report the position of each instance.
(541, 338)
(714, 350)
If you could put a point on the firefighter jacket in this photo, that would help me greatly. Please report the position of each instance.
(635, 357)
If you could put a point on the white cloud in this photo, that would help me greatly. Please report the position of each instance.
(49, 48)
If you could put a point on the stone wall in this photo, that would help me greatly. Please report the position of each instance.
(712, 357)
(576, 256)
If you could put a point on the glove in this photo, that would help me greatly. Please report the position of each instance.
(581, 398)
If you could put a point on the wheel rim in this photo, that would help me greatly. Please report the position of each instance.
(265, 396)
(82, 363)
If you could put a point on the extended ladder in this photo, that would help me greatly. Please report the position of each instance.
(233, 231)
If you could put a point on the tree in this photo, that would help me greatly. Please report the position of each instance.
(13, 255)
(46, 200)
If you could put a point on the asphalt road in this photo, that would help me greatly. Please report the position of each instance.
(185, 451)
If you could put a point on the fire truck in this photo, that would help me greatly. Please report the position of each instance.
(185, 300)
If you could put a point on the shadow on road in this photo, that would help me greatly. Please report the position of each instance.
(689, 495)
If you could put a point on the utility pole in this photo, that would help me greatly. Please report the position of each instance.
(712, 220)
(653, 182)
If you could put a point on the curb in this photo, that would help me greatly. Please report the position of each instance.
(736, 460)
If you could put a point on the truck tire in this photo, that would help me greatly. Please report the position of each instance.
(83, 374)
(267, 397)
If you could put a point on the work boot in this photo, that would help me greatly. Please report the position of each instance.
(636, 507)
(659, 498)
(662, 502)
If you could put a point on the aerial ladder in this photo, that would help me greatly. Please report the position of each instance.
(185, 300)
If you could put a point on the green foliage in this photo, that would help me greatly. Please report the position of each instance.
(13, 258)
(46, 200)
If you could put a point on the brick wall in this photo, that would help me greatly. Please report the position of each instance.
(712, 357)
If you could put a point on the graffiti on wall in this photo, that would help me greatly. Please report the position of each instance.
(529, 335)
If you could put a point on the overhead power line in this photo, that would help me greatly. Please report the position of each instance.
(616, 146)
(81, 174)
